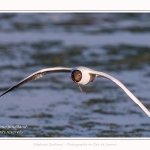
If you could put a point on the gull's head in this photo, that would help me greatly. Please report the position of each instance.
(76, 76)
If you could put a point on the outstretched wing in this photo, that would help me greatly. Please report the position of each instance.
(38, 75)
(102, 74)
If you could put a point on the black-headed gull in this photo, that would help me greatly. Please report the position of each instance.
(80, 75)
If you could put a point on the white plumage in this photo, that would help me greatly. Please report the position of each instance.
(84, 75)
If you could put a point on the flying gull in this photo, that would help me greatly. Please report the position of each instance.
(81, 76)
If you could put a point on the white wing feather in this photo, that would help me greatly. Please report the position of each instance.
(38, 75)
(124, 88)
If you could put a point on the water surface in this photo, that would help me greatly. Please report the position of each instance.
(53, 106)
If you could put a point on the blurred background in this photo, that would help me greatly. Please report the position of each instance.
(53, 106)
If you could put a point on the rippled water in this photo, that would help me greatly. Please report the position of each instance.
(115, 43)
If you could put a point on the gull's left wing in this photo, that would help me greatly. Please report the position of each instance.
(102, 74)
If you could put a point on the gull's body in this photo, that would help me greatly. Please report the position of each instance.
(80, 75)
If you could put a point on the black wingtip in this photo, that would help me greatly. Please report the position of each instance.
(1, 95)
(10, 89)
(4, 93)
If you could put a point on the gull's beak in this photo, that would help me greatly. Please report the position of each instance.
(73, 80)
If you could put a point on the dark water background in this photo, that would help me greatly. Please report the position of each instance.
(115, 43)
